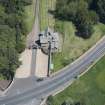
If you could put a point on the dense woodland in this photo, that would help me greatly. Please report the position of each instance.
(12, 34)
(83, 13)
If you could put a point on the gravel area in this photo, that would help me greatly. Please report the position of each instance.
(24, 70)
(41, 64)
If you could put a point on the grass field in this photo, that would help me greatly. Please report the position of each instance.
(89, 89)
(46, 19)
(29, 16)
(72, 45)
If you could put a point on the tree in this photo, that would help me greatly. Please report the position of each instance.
(12, 34)
(50, 100)
(78, 12)
(2, 15)
(67, 103)
(101, 10)
(8, 54)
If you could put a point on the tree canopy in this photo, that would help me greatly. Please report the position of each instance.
(12, 31)
(83, 13)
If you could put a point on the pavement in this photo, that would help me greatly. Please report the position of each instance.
(33, 62)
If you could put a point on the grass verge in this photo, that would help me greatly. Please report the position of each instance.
(46, 19)
(89, 89)
(74, 46)
(29, 16)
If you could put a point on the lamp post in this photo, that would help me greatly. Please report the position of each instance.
(49, 58)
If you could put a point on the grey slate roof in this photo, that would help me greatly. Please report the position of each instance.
(50, 36)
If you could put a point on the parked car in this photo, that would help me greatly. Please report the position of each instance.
(40, 79)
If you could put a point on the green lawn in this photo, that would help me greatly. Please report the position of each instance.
(29, 16)
(72, 45)
(89, 89)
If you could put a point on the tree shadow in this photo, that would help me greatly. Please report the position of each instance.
(83, 35)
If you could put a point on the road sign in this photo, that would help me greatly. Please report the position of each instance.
(51, 66)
